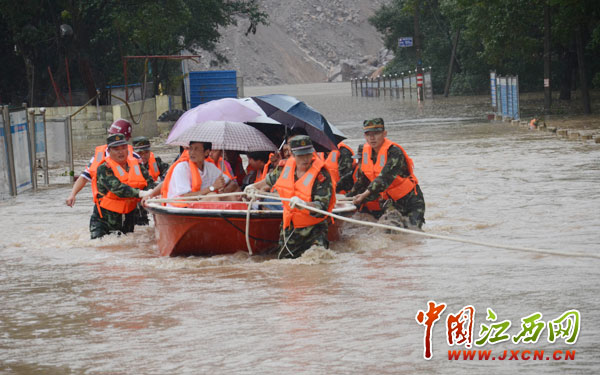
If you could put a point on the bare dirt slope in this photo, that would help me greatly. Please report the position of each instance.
(306, 41)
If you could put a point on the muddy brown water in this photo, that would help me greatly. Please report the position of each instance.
(69, 305)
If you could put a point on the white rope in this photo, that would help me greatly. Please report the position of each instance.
(441, 237)
(248, 225)
(197, 198)
(253, 195)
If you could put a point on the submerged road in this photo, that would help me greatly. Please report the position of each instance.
(112, 306)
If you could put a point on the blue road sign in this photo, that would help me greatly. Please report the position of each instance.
(406, 41)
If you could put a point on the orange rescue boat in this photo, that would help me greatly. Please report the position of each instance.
(215, 228)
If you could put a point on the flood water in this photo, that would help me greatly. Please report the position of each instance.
(69, 305)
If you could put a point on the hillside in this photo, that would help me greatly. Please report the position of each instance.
(306, 41)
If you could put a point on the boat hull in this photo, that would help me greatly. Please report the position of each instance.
(206, 232)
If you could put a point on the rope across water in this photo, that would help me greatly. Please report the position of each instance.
(253, 195)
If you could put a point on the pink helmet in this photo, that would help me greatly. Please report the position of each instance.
(121, 126)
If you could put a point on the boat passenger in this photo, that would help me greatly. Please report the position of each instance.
(120, 126)
(192, 176)
(215, 157)
(386, 175)
(304, 180)
(156, 168)
(258, 167)
(117, 186)
(235, 160)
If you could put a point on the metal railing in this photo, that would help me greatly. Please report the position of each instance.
(403, 85)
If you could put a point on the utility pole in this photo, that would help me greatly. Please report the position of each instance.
(451, 65)
(583, 85)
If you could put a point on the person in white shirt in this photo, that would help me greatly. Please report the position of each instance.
(213, 180)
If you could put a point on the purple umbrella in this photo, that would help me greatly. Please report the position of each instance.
(227, 109)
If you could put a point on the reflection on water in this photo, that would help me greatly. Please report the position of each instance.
(69, 304)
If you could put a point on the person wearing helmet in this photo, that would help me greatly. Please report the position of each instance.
(120, 126)
(118, 185)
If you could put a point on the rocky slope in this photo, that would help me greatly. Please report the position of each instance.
(306, 41)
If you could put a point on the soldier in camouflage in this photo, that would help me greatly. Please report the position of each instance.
(293, 242)
(141, 145)
(407, 211)
(347, 179)
(106, 182)
(345, 163)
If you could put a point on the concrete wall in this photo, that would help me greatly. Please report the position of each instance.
(146, 124)
(165, 103)
(90, 125)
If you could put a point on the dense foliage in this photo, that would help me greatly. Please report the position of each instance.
(502, 35)
(94, 35)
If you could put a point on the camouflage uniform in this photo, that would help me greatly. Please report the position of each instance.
(141, 215)
(113, 221)
(345, 169)
(163, 167)
(408, 211)
(294, 242)
(142, 144)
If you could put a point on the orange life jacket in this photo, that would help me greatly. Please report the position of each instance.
(331, 163)
(100, 155)
(153, 167)
(265, 170)
(287, 187)
(401, 185)
(196, 182)
(222, 166)
(133, 178)
(261, 174)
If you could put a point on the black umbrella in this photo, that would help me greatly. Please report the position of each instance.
(295, 114)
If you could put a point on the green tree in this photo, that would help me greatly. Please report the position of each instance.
(104, 31)
(503, 35)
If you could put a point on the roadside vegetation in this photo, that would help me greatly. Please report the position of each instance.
(502, 35)
(39, 39)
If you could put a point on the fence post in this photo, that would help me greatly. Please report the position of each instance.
(46, 176)
(361, 87)
(70, 138)
(403, 94)
(32, 146)
(9, 150)
(518, 105)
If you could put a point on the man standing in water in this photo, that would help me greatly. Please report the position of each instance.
(117, 188)
(386, 174)
(120, 126)
(305, 180)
